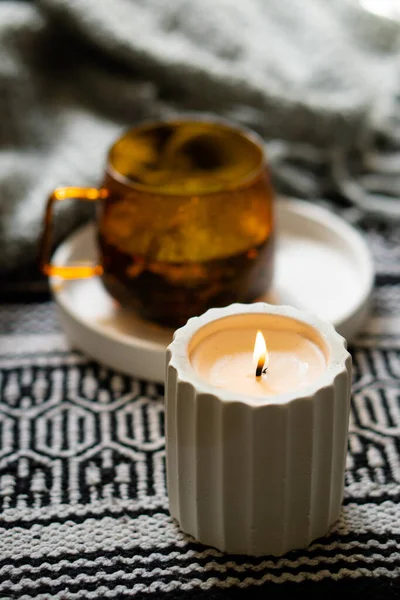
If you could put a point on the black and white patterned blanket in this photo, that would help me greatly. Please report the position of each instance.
(84, 511)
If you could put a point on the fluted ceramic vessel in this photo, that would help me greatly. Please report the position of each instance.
(249, 475)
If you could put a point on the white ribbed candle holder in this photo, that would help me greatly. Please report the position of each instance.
(256, 475)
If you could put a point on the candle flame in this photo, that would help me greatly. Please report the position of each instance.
(260, 354)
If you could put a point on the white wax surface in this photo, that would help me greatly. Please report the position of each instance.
(225, 360)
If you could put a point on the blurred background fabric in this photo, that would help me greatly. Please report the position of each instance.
(319, 81)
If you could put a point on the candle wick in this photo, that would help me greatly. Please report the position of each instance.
(261, 371)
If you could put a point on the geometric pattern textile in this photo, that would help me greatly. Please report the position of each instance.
(83, 504)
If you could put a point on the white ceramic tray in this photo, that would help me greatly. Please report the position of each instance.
(323, 265)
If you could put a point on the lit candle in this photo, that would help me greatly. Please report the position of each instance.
(226, 359)
(257, 407)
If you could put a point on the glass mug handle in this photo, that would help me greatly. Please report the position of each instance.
(78, 271)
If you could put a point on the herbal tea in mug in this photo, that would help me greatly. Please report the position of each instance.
(184, 220)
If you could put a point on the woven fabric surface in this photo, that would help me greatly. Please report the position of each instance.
(84, 510)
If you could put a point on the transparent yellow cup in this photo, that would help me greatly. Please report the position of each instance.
(184, 222)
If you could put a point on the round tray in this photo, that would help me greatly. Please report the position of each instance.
(323, 266)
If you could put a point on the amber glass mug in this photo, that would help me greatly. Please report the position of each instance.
(184, 222)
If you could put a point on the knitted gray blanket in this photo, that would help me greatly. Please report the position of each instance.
(318, 80)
